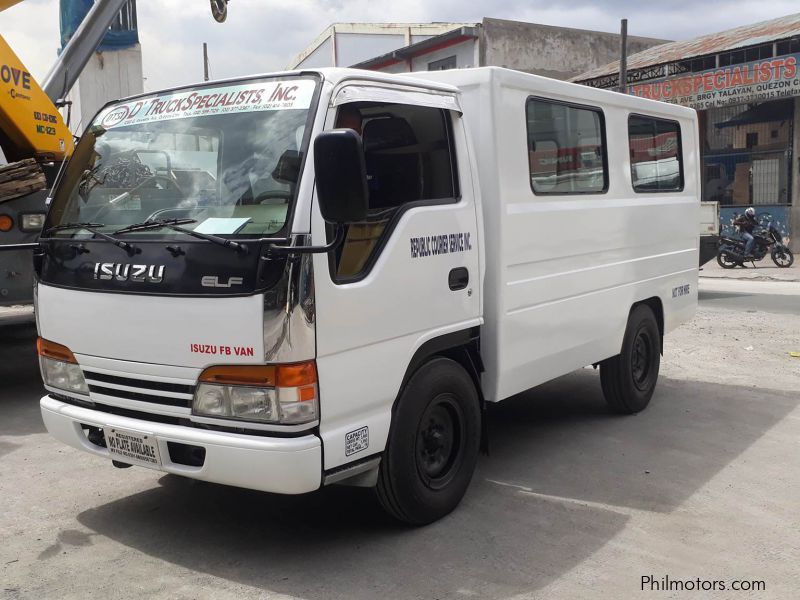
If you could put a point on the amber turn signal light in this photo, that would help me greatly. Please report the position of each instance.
(55, 351)
(6, 223)
(290, 375)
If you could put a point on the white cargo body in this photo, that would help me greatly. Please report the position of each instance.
(306, 278)
(562, 270)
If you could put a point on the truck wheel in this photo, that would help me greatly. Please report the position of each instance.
(433, 444)
(628, 379)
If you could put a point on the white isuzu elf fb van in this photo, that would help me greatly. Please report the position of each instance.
(318, 277)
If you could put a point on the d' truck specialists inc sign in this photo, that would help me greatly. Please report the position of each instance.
(757, 81)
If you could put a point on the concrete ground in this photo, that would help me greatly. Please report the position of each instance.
(571, 502)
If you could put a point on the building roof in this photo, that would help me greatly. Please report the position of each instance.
(440, 41)
(732, 39)
(410, 29)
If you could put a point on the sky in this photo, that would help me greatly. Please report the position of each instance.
(263, 35)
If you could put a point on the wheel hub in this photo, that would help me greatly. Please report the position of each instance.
(641, 359)
(439, 442)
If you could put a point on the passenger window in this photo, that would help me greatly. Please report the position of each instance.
(407, 151)
(566, 148)
(655, 147)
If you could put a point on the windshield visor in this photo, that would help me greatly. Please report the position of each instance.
(227, 157)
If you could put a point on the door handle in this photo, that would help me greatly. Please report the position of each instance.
(458, 278)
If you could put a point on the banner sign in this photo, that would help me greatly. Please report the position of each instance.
(257, 96)
(757, 81)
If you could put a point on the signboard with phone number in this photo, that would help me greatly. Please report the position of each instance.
(275, 95)
(756, 81)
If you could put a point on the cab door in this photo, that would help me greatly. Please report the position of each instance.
(407, 274)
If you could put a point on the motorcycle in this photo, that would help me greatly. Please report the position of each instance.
(730, 253)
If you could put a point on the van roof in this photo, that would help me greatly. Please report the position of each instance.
(334, 75)
(552, 88)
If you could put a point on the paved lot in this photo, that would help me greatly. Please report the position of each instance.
(571, 502)
(750, 295)
(762, 270)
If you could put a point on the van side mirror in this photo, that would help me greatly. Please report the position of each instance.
(341, 176)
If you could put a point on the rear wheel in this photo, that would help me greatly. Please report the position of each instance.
(433, 444)
(782, 257)
(629, 379)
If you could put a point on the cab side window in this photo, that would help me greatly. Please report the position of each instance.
(409, 159)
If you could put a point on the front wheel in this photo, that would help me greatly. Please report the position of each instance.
(782, 257)
(629, 378)
(725, 260)
(433, 444)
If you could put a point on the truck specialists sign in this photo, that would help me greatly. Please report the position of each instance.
(256, 96)
(757, 81)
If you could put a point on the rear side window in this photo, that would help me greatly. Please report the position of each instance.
(655, 147)
(566, 148)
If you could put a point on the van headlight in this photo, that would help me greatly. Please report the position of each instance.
(278, 394)
(59, 368)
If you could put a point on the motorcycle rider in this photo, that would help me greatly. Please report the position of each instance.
(746, 224)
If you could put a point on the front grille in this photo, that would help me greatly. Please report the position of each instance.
(128, 395)
(140, 383)
(139, 394)
(144, 416)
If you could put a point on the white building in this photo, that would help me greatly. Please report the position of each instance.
(345, 44)
(114, 71)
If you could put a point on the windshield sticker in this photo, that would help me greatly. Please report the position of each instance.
(222, 224)
(276, 95)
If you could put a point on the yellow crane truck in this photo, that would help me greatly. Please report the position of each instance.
(35, 141)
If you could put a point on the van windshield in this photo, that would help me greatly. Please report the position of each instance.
(225, 157)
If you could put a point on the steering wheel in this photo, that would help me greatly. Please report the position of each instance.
(171, 181)
(265, 197)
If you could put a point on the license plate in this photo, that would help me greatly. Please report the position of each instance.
(132, 447)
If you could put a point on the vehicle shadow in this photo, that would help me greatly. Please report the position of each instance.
(559, 483)
(21, 383)
(651, 461)
(336, 543)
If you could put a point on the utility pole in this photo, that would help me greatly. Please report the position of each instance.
(205, 61)
(623, 57)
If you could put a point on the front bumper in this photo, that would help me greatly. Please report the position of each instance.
(280, 465)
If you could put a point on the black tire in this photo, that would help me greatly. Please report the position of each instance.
(782, 257)
(628, 379)
(433, 444)
(725, 261)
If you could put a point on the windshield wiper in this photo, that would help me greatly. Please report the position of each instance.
(154, 224)
(175, 225)
(91, 228)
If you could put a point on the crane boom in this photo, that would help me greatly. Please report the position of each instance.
(73, 58)
(4, 4)
(30, 124)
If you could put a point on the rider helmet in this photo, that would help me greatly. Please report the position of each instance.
(750, 212)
